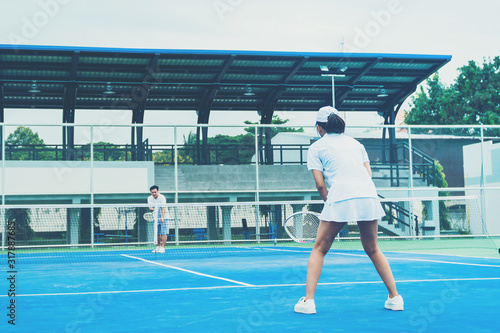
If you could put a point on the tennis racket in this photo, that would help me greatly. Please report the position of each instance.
(302, 226)
(149, 217)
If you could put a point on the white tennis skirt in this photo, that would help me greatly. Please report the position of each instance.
(353, 210)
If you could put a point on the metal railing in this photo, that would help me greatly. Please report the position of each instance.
(229, 154)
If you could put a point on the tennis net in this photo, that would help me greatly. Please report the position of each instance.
(67, 233)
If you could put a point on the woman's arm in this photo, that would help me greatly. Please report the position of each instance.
(320, 184)
(368, 168)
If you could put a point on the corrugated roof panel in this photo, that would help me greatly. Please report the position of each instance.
(263, 63)
(305, 90)
(185, 76)
(34, 58)
(191, 62)
(109, 75)
(44, 86)
(319, 77)
(334, 65)
(235, 100)
(403, 65)
(388, 78)
(176, 89)
(252, 77)
(164, 100)
(98, 60)
(371, 91)
(302, 101)
(243, 88)
(33, 98)
(104, 99)
(363, 101)
(33, 73)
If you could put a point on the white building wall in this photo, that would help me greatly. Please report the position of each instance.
(74, 177)
(473, 174)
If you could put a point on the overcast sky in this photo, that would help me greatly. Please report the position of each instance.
(463, 29)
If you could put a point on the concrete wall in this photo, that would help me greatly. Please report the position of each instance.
(237, 182)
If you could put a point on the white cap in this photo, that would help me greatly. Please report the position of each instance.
(324, 112)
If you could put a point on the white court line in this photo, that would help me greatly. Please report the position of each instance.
(409, 259)
(246, 286)
(429, 260)
(188, 271)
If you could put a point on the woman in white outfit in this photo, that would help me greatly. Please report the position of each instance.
(352, 196)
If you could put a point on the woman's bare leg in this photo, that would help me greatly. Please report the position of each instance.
(327, 231)
(368, 233)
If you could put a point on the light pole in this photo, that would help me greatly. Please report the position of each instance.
(333, 85)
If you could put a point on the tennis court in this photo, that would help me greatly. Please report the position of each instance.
(252, 287)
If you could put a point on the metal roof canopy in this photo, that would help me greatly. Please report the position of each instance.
(191, 79)
(71, 78)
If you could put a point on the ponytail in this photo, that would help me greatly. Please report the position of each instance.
(334, 124)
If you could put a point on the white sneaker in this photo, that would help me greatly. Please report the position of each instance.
(395, 304)
(162, 250)
(305, 306)
(156, 250)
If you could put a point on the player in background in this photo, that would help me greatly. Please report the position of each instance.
(156, 200)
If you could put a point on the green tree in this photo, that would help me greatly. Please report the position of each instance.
(24, 144)
(225, 149)
(473, 99)
(105, 151)
(274, 130)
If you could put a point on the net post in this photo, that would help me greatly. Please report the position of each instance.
(92, 226)
(257, 195)
(257, 222)
(226, 224)
(413, 219)
(176, 224)
(482, 184)
(155, 225)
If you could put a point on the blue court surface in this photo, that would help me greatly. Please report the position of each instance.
(138, 291)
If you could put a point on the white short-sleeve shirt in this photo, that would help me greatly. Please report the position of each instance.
(160, 200)
(341, 160)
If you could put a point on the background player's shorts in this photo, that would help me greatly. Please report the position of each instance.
(163, 228)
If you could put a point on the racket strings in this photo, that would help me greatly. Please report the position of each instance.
(302, 227)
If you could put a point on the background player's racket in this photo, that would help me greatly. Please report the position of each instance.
(149, 217)
(302, 226)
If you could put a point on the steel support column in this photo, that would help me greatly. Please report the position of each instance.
(68, 132)
(139, 150)
(203, 155)
(266, 155)
(203, 111)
